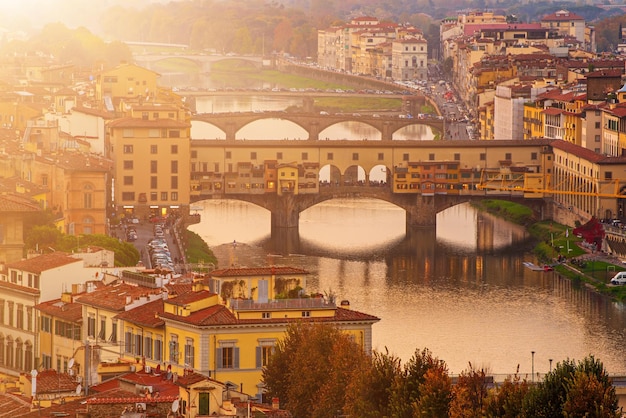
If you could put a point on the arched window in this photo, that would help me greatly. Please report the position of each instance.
(28, 356)
(19, 354)
(9, 352)
(88, 196)
(2, 348)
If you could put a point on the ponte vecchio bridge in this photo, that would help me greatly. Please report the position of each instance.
(422, 177)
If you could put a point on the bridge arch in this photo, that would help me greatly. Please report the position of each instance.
(206, 130)
(362, 131)
(291, 129)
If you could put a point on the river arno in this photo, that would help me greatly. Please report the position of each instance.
(460, 289)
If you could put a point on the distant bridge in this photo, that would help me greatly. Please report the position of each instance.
(313, 123)
(203, 61)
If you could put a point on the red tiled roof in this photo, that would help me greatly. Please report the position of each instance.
(189, 297)
(256, 271)
(562, 15)
(552, 111)
(71, 312)
(147, 315)
(44, 262)
(14, 203)
(114, 297)
(20, 288)
(586, 154)
(49, 381)
(168, 390)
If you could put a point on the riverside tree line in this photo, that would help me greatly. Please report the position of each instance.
(318, 371)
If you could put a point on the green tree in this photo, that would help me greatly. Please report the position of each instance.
(435, 394)
(407, 388)
(369, 392)
(567, 386)
(311, 369)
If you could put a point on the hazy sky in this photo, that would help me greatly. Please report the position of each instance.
(33, 14)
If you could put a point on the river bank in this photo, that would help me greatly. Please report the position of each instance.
(557, 246)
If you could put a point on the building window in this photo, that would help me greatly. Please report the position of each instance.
(253, 155)
(194, 154)
(44, 179)
(507, 156)
(29, 318)
(19, 314)
(305, 156)
(128, 341)
(355, 156)
(154, 165)
(330, 156)
(128, 180)
(174, 134)
(264, 351)
(457, 156)
(533, 155)
(306, 314)
(153, 183)
(405, 157)
(174, 167)
(147, 343)
(164, 196)
(158, 349)
(154, 149)
(103, 328)
(45, 324)
(154, 196)
(128, 164)
(113, 336)
(228, 154)
(128, 149)
(174, 196)
(91, 326)
(483, 156)
(431, 157)
(138, 351)
(174, 348)
(228, 355)
(279, 155)
(266, 315)
(189, 353)
(608, 175)
(381, 156)
(174, 149)
(174, 182)
(128, 196)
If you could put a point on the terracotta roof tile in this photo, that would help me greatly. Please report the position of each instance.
(71, 312)
(44, 262)
(49, 381)
(147, 315)
(114, 297)
(14, 203)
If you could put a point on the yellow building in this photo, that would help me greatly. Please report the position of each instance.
(60, 335)
(229, 332)
(13, 208)
(151, 151)
(533, 120)
(125, 81)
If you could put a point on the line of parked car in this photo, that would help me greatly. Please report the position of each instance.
(160, 255)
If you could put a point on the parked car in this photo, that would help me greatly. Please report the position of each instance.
(619, 279)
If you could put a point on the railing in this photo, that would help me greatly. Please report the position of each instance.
(305, 303)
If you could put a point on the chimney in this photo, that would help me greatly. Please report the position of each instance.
(345, 304)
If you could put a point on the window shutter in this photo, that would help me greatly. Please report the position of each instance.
(219, 359)
(236, 359)
(258, 357)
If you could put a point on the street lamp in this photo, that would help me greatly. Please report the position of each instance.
(532, 353)
(550, 360)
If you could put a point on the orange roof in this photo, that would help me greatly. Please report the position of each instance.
(44, 262)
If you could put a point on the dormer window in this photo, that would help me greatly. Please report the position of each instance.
(266, 315)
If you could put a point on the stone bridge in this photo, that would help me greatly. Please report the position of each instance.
(421, 210)
(204, 62)
(314, 123)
